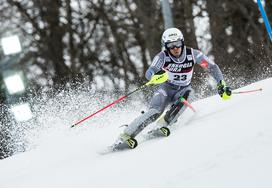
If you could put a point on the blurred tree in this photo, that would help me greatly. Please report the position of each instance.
(268, 9)
(150, 30)
(184, 20)
(115, 40)
(239, 41)
(72, 38)
(111, 39)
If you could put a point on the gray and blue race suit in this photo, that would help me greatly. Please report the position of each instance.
(180, 71)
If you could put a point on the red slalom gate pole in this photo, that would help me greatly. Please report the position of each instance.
(248, 91)
(186, 103)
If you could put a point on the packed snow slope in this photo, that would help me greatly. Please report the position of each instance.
(225, 144)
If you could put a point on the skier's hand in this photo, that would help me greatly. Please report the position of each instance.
(223, 90)
(159, 78)
(160, 72)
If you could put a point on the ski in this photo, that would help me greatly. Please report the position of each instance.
(158, 132)
(131, 143)
(120, 146)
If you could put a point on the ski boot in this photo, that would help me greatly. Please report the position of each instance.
(125, 141)
(164, 131)
(174, 110)
(159, 132)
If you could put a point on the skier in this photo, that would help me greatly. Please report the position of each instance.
(176, 63)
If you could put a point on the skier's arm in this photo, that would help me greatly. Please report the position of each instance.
(208, 64)
(156, 66)
(223, 90)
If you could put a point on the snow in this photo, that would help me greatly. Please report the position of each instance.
(225, 144)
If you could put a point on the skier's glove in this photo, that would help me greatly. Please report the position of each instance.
(223, 90)
(159, 77)
(160, 72)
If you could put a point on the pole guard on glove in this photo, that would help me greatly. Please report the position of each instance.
(223, 90)
(158, 78)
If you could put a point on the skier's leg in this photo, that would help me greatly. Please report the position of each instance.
(157, 106)
(135, 127)
(178, 107)
(138, 124)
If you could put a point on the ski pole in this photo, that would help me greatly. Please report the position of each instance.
(109, 105)
(156, 79)
(248, 91)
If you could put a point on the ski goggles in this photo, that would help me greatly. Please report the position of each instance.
(172, 45)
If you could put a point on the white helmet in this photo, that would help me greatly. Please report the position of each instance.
(172, 35)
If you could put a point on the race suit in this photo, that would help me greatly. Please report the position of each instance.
(180, 71)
